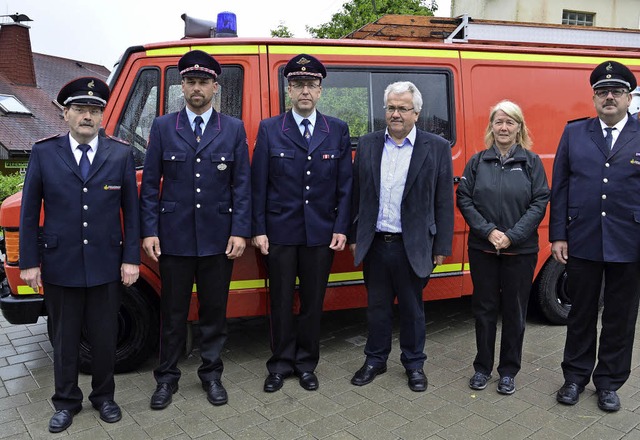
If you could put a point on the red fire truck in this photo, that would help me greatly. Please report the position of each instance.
(461, 76)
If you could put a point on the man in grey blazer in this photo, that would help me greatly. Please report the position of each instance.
(402, 228)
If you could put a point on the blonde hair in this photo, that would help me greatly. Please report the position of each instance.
(512, 110)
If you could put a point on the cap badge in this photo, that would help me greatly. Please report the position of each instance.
(91, 84)
(90, 93)
(303, 61)
(196, 66)
(609, 67)
(608, 75)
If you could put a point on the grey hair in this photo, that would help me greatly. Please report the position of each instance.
(400, 87)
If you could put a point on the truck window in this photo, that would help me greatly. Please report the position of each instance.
(228, 100)
(356, 96)
(139, 111)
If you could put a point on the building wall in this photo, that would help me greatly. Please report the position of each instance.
(608, 13)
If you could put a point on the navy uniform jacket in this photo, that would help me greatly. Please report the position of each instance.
(205, 193)
(427, 202)
(82, 242)
(595, 195)
(301, 194)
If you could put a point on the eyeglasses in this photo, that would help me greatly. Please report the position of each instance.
(299, 86)
(83, 110)
(603, 93)
(402, 110)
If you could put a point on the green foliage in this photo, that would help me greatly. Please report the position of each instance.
(10, 184)
(349, 104)
(357, 13)
(281, 31)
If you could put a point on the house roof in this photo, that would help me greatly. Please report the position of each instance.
(19, 132)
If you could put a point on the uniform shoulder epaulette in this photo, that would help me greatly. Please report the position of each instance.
(113, 138)
(48, 138)
(577, 120)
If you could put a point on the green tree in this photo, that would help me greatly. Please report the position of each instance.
(281, 31)
(357, 13)
(10, 184)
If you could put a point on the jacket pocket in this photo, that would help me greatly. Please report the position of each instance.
(329, 163)
(281, 162)
(49, 241)
(173, 164)
(167, 207)
(572, 214)
(274, 207)
(225, 208)
(116, 240)
(222, 165)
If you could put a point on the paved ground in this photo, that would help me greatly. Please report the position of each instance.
(385, 409)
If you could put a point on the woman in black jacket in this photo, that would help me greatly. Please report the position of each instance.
(503, 196)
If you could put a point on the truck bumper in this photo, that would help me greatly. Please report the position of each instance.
(22, 309)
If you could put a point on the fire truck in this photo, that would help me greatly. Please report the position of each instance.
(462, 67)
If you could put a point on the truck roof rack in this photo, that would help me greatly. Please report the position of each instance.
(501, 31)
(464, 29)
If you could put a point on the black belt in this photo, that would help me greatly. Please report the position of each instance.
(389, 237)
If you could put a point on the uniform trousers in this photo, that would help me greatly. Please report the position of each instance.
(388, 275)
(70, 309)
(500, 282)
(621, 293)
(295, 341)
(212, 275)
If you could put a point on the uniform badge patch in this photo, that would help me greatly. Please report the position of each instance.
(222, 166)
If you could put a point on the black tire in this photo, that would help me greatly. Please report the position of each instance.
(551, 292)
(138, 326)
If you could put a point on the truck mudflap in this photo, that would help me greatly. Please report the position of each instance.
(23, 309)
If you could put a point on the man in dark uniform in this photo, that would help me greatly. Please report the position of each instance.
(200, 215)
(593, 227)
(85, 181)
(402, 228)
(301, 177)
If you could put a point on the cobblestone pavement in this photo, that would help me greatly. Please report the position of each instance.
(385, 409)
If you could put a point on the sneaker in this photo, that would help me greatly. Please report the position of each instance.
(479, 381)
(507, 385)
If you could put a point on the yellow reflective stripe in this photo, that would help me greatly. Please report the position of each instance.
(333, 278)
(443, 268)
(542, 58)
(25, 290)
(218, 50)
(363, 51)
(467, 266)
(247, 284)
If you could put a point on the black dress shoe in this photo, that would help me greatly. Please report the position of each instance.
(109, 411)
(608, 400)
(163, 394)
(366, 374)
(274, 382)
(61, 420)
(417, 380)
(569, 393)
(216, 394)
(309, 381)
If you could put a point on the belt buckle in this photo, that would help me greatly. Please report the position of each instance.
(388, 238)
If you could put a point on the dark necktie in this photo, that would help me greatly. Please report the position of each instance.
(84, 161)
(307, 132)
(197, 129)
(609, 137)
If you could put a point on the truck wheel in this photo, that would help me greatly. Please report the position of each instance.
(138, 326)
(552, 292)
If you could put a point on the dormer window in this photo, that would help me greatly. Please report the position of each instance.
(11, 105)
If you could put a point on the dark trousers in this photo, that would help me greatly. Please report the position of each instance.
(295, 341)
(212, 275)
(500, 282)
(621, 290)
(387, 275)
(69, 308)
